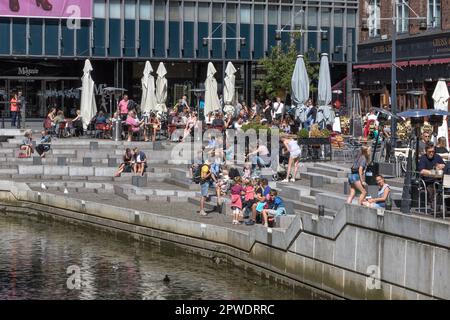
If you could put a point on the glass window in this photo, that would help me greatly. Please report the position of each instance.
(145, 10)
(373, 20)
(130, 10)
(402, 15)
(312, 17)
(114, 9)
(231, 13)
(217, 13)
(434, 13)
(189, 11)
(285, 15)
(351, 19)
(99, 9)
(245, 13)
(19, 31)
(35, 41)
(259, 14)
(325, 17)
(273, 15)
(160, 10)
(338, 18)
(203, 12)
(299, 16)
(174, 11)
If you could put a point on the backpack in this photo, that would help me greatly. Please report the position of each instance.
(197, 175)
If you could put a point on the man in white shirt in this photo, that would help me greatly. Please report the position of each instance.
(278, 109)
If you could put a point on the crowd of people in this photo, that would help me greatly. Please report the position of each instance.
(431, 167)
(242, 187)
(251, 199)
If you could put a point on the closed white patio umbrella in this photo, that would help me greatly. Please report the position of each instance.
(229, 88)
(212, 102)
(300, 89)
(324, 113)
(161, 88)
(88, 107)
(440, 98)
(148, 101)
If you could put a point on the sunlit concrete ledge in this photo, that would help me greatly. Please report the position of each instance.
(409, 253)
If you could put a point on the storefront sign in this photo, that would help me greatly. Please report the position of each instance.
(437, 46)
(60, 9)
(25, 71)
(13, 68)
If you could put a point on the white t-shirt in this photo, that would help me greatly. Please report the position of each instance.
(278, 107)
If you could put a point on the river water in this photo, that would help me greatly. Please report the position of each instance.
(42, 259)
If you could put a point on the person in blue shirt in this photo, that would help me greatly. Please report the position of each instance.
(276, 207)
(428, 162)
(100, 118)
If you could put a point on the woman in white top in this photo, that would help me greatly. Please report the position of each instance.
(294, 156)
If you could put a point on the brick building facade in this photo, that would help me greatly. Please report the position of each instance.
(423, 56)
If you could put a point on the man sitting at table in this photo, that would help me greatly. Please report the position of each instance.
(430, 161)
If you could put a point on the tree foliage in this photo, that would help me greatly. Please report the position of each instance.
(278, 68)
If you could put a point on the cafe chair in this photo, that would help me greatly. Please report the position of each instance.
(423, 190)
(101, 129)
(445, 188)
(62, 129)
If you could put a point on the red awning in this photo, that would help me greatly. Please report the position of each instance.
(387, 65)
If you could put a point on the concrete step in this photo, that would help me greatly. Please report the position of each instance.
(327, 172)
(308, 199)
(326, 179)
(332, 167)
(311, 208)
(185, 184)
(290, 191)
(211, 205)
(8, 171)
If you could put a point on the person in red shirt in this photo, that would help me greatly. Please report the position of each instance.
(15, 110)
(122, 107)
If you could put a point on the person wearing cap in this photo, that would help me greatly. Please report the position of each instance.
(205, 182)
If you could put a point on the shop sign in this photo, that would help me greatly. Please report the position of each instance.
(436, 46)
(25, 71)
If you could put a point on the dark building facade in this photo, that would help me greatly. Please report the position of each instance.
(423, 56)
(44, 57)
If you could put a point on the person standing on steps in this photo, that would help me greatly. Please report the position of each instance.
(356, 178)
(15, 111)
(294, 156)
(205, 182)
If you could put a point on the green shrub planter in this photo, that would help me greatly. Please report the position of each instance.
(313, 141)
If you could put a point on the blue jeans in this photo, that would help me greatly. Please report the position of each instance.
(379, 205)
(353, 177)
(258, 161)
(15, 116)
(204, 187)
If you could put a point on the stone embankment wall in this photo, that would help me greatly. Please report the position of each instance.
(359, 254)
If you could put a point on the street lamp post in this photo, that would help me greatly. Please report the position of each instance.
(394, 79)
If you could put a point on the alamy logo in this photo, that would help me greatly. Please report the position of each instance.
(373, 279)
(24, 71)
(73, 21)
(74, 280)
